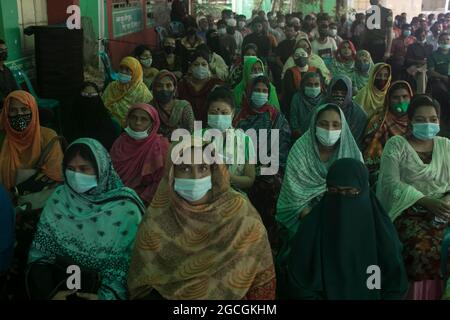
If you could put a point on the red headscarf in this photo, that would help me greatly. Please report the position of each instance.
(341, 58)
(140, 163)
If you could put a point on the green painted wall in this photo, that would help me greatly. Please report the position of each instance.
(89, 8)
(10, 32)
(314, 6)
(9, 28)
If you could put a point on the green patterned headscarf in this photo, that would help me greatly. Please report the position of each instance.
(95, 229)
(304, 180)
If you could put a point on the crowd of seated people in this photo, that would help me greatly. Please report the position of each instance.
(323, 149)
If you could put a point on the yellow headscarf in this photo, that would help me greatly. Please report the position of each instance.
(370, 98)
(118, 96)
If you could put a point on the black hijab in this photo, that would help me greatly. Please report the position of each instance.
(341, 238)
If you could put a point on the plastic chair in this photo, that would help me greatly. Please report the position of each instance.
(444, 253)
(110, 74)
(50, 104)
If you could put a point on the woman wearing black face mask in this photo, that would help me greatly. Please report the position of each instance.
(168, 58)
(293, 77)
(371, 97)
(173, 113)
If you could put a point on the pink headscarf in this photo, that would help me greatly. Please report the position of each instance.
(140, 163)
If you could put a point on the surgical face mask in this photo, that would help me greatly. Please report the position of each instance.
(363, 66)
(312, 92)
(163, 96)
(80, 182)
(425, 131)
(401, 107)
(256, 75)
(124, 78)
(241, 24)
(333, 32)
(222, 31)
(20, 122)
(147, 63)
(301, 62)
(327, 138)
(444, 46)
(260, 98)
(192, 189)
(220, 121)
(136, 135)
(200, 72)
(406, 33)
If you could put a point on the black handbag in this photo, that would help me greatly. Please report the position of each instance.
(44, 279)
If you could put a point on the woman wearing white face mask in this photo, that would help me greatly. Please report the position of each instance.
(328, 139)
(140, 153)
(127, 90)
(258, 114)
(414, 187)
(91, 220)
(196, 86)
(220, 116)
(193, 243)
(144, 55)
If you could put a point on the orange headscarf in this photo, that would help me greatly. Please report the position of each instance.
(21, 150)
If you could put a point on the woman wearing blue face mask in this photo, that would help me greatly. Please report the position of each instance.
(259, 115)
(196, 86)
(144, 55)
(221, 111)
(195, 240)
(328, 139)
(414, 187)
(127, 90)
(91, 220)
(304, 103)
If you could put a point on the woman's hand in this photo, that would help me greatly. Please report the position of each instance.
(62, 295)
(436, 206)
(305, 212)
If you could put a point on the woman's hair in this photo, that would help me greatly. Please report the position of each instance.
(248, 47)
(330, 106)
(421, 100)
(261, 79)
(397, 86)
(200, 54)
(312, 74)
(140, 49)
(83, 151)
(221, 93)
(419, 32)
